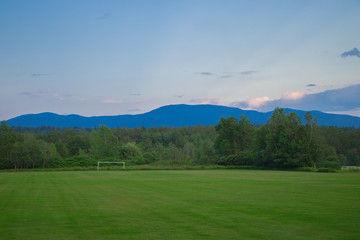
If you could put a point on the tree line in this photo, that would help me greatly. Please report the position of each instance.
(284, 142)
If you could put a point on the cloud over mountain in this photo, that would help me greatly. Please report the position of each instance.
(214, 101)
(343, 99)
(257, 102)
(292, 95)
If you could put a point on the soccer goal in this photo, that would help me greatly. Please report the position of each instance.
(98, 166)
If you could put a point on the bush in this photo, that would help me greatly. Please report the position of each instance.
(331, 164)
(240, 159)
(306, 169)
(75, 161)
(149, 158)
(329, 170)
(129, 151)
(138, 160)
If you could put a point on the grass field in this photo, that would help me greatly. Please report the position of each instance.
(205, 204)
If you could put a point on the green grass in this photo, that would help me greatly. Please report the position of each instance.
(196, 204)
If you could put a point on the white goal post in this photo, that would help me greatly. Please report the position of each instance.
(98, 166)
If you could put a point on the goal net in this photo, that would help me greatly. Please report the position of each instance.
(123, 164)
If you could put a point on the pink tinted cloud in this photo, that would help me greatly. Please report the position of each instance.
(257, 102)
(292, 95)
(58, 96)
(214, 101)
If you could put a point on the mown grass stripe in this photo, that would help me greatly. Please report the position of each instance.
(205, 204)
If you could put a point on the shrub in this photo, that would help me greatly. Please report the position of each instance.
(330, 170)
(240, 159)
(129, 151)
(306, 169)
(331, 164)
(138, 160)
(149, 158)
(76, 161)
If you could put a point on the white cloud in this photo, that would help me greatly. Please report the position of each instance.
(214, 101)
(257, 102)
(292, 95)
(343, 100)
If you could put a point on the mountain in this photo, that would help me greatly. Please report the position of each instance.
(172, 116)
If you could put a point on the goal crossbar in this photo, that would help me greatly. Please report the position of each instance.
(98, 165)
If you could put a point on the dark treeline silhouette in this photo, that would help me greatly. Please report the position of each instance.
(284, 142)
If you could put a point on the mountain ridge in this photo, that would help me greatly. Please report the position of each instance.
(172, 116)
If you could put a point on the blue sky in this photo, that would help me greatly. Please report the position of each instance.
(127, 57)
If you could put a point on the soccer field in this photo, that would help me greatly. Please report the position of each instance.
(204, 204)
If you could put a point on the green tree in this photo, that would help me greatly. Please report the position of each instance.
(61, 149)
(26, 152)
(77, 142)
(129, 151)
(353, 157)
(259, 148)
(19, 155)
(234, 135)
(34, 151)
(204, 153)
(312, 141)
(329, 158)
(104, 144)
(7, 141)
(226, 143)
(48, 153)
(284, 140)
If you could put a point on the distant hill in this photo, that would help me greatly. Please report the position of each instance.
(172, 116)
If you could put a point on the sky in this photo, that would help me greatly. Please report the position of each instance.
(103, 57)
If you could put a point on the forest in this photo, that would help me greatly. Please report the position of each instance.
(285, 142)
